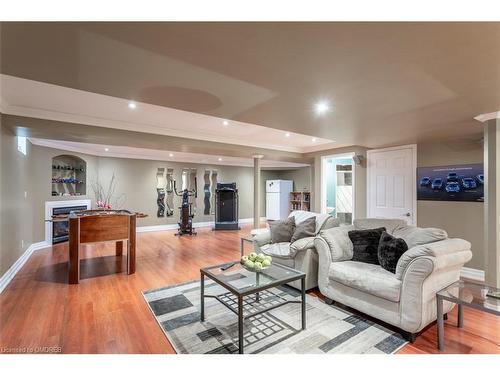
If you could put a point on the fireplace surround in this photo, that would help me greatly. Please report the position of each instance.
(60, 228)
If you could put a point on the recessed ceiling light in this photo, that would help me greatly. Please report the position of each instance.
(314, 139)
(171, 155)
(106, 149)
(220, 159)
(322, 107)
(225, 123)
(132, 105)
(287, 134)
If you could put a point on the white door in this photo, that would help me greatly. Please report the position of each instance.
(391, 183)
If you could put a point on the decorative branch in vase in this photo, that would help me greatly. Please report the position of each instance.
(105, 197)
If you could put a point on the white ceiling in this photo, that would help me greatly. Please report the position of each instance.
(149, 154)
(23, 97)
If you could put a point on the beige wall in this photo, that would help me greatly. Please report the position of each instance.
(459, 219)
(17, 213)
(137, 180)
(301, 178)
(25, 186)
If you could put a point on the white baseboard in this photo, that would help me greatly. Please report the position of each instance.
(14, 269)
(472, 274)
(201, 224)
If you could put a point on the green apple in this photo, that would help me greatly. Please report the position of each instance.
(269, 258)
(266, 263)
(258, 265)
(249, 264)
(261, 257)
(252, 256)
(244, 258)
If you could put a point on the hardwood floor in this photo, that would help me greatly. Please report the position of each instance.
(106, 312)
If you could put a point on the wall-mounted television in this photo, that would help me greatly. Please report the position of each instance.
(451, 183)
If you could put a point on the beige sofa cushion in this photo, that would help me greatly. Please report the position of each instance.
(368, 278)
(390, 225)
(338, 240)
(415, 236)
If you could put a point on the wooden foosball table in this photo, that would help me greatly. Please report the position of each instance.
(87, 227)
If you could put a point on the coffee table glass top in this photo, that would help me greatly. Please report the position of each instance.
(240, 280)
(473, 294)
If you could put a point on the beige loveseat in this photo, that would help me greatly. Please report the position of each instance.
(406, 299)
(300, 254)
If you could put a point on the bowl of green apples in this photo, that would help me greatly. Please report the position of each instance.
(256, 262)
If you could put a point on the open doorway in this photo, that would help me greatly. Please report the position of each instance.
(337, 187)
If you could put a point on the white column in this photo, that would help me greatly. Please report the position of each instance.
(492, 202)
(256, 190)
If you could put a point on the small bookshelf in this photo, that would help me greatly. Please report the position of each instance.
(300, 200)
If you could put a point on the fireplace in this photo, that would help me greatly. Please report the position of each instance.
(56, 232)
(60, 229)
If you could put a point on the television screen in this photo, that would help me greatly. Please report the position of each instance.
(451, 183)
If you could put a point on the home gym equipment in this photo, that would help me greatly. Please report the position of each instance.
(226, 206)
(186, 210)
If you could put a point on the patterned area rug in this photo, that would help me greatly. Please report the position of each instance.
(329, 328)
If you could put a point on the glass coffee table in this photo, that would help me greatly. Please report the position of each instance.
(469, 294)
(246, 290)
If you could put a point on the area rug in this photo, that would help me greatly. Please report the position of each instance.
(329, 328)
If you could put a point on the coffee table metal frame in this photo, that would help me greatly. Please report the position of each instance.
(255, 290)
(441, 296)
(242, 243)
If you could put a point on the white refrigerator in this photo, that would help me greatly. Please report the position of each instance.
(278, 199)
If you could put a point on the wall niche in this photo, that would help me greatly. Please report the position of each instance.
(69, 176)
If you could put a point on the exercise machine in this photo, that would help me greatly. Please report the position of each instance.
(186, 210)
(226, 206)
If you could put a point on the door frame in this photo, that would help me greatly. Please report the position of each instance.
(413, 148)
(323, 180)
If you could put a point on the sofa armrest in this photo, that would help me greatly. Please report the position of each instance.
(324, 261)
(422, 278)
(444, 251)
